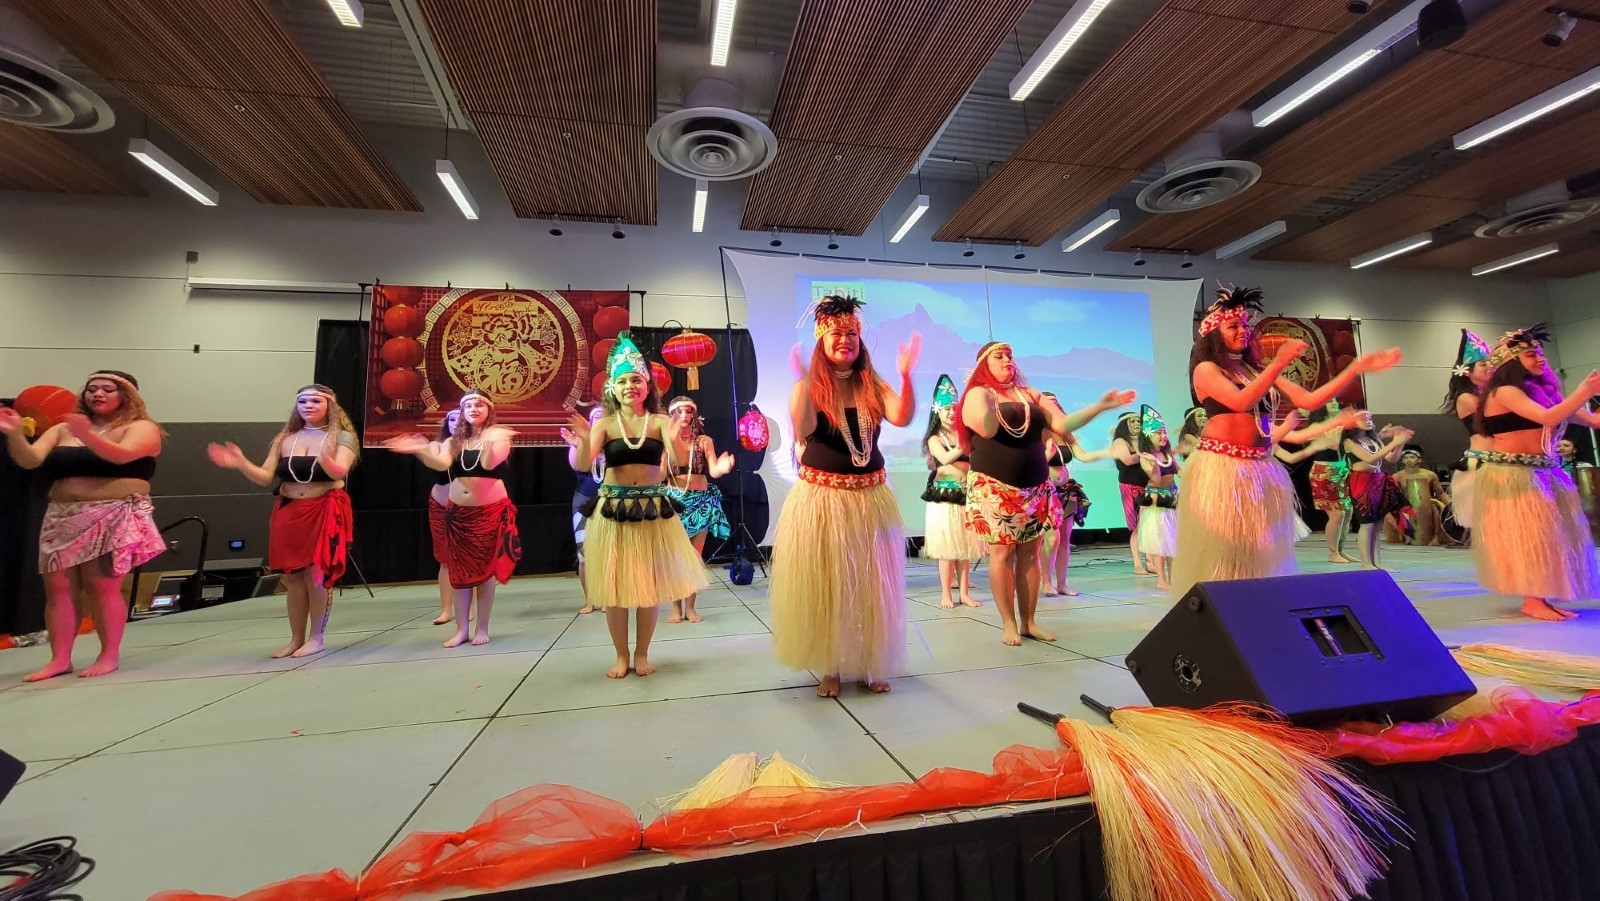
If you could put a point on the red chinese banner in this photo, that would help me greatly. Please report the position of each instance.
(536, 354)
(1330, 347)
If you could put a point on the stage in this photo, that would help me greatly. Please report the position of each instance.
(203, 764)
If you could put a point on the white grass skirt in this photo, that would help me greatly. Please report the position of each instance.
(1464, 497)
(1531, 538)
(839, 582)
(639, 564)
(946, 536)
(1236, 520)
(1158, 531)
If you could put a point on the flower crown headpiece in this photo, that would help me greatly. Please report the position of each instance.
(1473, 350)
(944, 392)
(625, 358)
(833, 311)
(1515, 342)
(1150, 421)
(1233, 302)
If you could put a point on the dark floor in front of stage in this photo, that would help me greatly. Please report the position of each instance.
(203, 764)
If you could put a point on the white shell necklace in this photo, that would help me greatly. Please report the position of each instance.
(466, 445)
(1027, 413)
(622, 432)
(860, 455)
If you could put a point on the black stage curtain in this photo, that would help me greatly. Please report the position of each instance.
(22, 503)
(1486, 827)
(390, 491)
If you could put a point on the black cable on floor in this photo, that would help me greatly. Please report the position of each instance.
(43, 870)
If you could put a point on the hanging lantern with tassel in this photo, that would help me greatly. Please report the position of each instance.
(753, 430)
(690, 350)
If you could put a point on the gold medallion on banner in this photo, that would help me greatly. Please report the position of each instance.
(1306, 371)
(506, 344)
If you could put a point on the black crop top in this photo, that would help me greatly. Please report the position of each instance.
(1017, 460)
(697, 461)
(618, 453)
(1062, 456)
(1468, 424)
(297, 469)
(1500, 423)
(440, 477)
(1131, 474)
(76, 461)
(466, 463)
(826, 449)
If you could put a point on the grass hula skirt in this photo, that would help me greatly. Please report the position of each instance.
(1158, 523)
(636, 551)
(839, 577)
(945, 533)
(1531, 538)
(1236, 517)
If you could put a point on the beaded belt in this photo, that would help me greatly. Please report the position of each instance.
(1236, 451)
(847, 481)
(1532, 461)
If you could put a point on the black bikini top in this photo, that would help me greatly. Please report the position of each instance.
(302, 468)
(649, 452)
(1500, 423)
(466, 465)
(76, 461)
(697, 461)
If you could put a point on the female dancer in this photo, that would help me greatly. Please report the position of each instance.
(310, 531)
(947, 538)
(1194, 422)
(98, 525)
(1330, 482)
(691, 483)
(438, 498)
(638, 556)
(1373, 493)
(1467, 378)
(1010, 501)
(1073, 504)
(1158, 511)
(1124, 451)
(583, 502)
(480, 520)
(838, 581)
(1236, 514)
(1531, 536)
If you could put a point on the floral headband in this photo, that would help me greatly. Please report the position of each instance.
(682, 402)
(1150, 422)
(1232, 302)
(835, 311)
(1515, 342)
(625, 358)
(1473, 350)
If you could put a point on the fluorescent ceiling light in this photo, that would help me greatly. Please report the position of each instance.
(722, 32)
(1529, 110)
(910, 217)
(457, 188)
(1385, 35)
(349, 12)
(1260, 236)
(1527, 256)
(1390, 251)
(1083, 235)
(701, 189)
(169, 169)
(1066, 33)
(258, 285)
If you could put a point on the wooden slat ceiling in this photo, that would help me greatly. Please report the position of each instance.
(1140, 105)
(32, 159)
(226, 80)
(865, 86)
(1561, 150)
(1500, 63)
(561, 95)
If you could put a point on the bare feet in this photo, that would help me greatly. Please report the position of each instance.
(1340, 558)
(312, 646)
(457, 640)
(693, 616)
(619, 670)
(876, 686)
(441, 619)
(1035, 632)
(49, 671)
(1163, 585)
(100, 667)
(1070, 592)
(1047, 591)
(642, 665)
(1010, 637)
(1142, 572)
(968, 601)
(1538, 608)
(586, 608)
(480, 638)
(947, 603)
(287, 649)
(829, 687)
(676, 617)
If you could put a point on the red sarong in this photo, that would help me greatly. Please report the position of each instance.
(482, 543)
(441, 535)
(313, 531)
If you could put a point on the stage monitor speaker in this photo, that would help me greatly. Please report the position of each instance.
(1316, 648)
(11, 770)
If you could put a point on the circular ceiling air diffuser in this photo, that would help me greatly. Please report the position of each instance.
(1538, 219)
(34, 92)
(709, 138)
(1198, 185)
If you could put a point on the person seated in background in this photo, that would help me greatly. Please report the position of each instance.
(1427, 497)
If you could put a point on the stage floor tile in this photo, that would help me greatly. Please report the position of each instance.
(957, 644)
(231, 818)
(590, 631)
(343, 699)
(509, 633)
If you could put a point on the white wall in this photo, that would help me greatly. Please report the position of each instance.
(90, 282)
(1575, 323)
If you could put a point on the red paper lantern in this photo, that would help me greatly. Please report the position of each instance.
(601, 352)
(662, 376)
(612, 299)
(400, 384)
(690, 350)
(399, 295)
(46, 405)
(753, 434)
(610, 321)
(597, 386)
(402, 322)
(401, 353)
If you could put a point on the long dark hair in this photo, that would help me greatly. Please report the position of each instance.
(1459, 385)
(1213, 348)
(934, 428)
(1544, 390)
